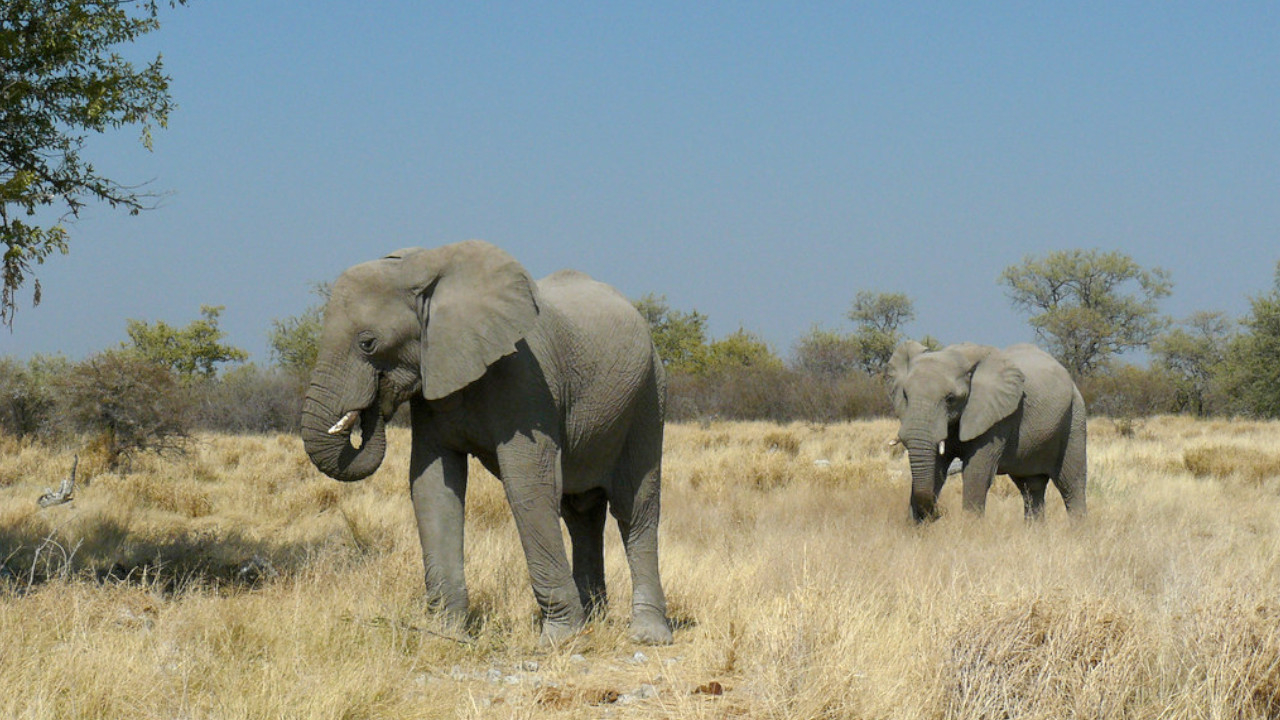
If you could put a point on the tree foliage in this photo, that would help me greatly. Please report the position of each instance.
(878, 318)
(1089, 306)
(295, 340)
(1194, 354)
(740, 349)
(682, 343)
(195, 350)
(680, 337)
(1252, 365)
(62, 78)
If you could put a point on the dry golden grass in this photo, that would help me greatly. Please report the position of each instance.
(236, 582)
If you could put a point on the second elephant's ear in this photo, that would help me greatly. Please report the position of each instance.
(995, 392)
(902, 357)
(897, 369)
(478, 303)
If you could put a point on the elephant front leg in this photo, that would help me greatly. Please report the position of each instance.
(530, 474)
(979, 471)
(438, 485)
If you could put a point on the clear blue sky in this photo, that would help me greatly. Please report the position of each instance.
(758, 162)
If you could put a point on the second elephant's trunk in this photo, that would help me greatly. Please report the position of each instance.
(924, 475)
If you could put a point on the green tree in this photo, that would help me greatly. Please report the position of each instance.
(195, 350)
(680, 337)
(740, 349)
(1252, 366)
(1194, 354)
(879, 317)
(1089, 306)
(295, 340)
(61, 78)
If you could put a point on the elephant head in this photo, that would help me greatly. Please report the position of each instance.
(951, 395)
(416, 321)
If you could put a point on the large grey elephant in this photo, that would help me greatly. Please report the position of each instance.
(554, 386)
(1014, 411)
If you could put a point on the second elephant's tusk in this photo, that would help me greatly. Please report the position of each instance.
(942, 446)
(345, 423)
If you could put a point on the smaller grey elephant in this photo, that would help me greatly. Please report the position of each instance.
(1014, 411)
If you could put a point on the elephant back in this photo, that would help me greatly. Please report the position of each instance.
(597, 325)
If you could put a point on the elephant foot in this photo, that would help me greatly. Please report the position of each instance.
(922, 517)
(453, 624)
(451, 613)
(562, 618)
(555, 634)
(650, 628)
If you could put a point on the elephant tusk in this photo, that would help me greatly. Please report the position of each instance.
(345, 423)
(942, 446)
(895, 442)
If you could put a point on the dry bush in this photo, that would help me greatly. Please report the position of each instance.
(248, 399)
(1129, 391)
(1221, 461)
(782, 441)
(128, 405)
(775, 393)
(29, 395)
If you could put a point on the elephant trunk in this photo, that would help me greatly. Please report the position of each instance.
(326, 431)
(924, 472)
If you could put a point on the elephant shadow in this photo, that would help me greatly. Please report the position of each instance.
(106, 551)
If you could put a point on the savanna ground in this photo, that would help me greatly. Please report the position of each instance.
(236, 582)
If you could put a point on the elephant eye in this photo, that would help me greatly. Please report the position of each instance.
(368, 345)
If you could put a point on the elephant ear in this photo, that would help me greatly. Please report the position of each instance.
(972, 353)
(479, 304)
(898, 364)
(994, 394)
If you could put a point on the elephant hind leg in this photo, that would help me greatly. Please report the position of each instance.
(634, 500)
(584, 516)
(1032, 489)
(1073, 476)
